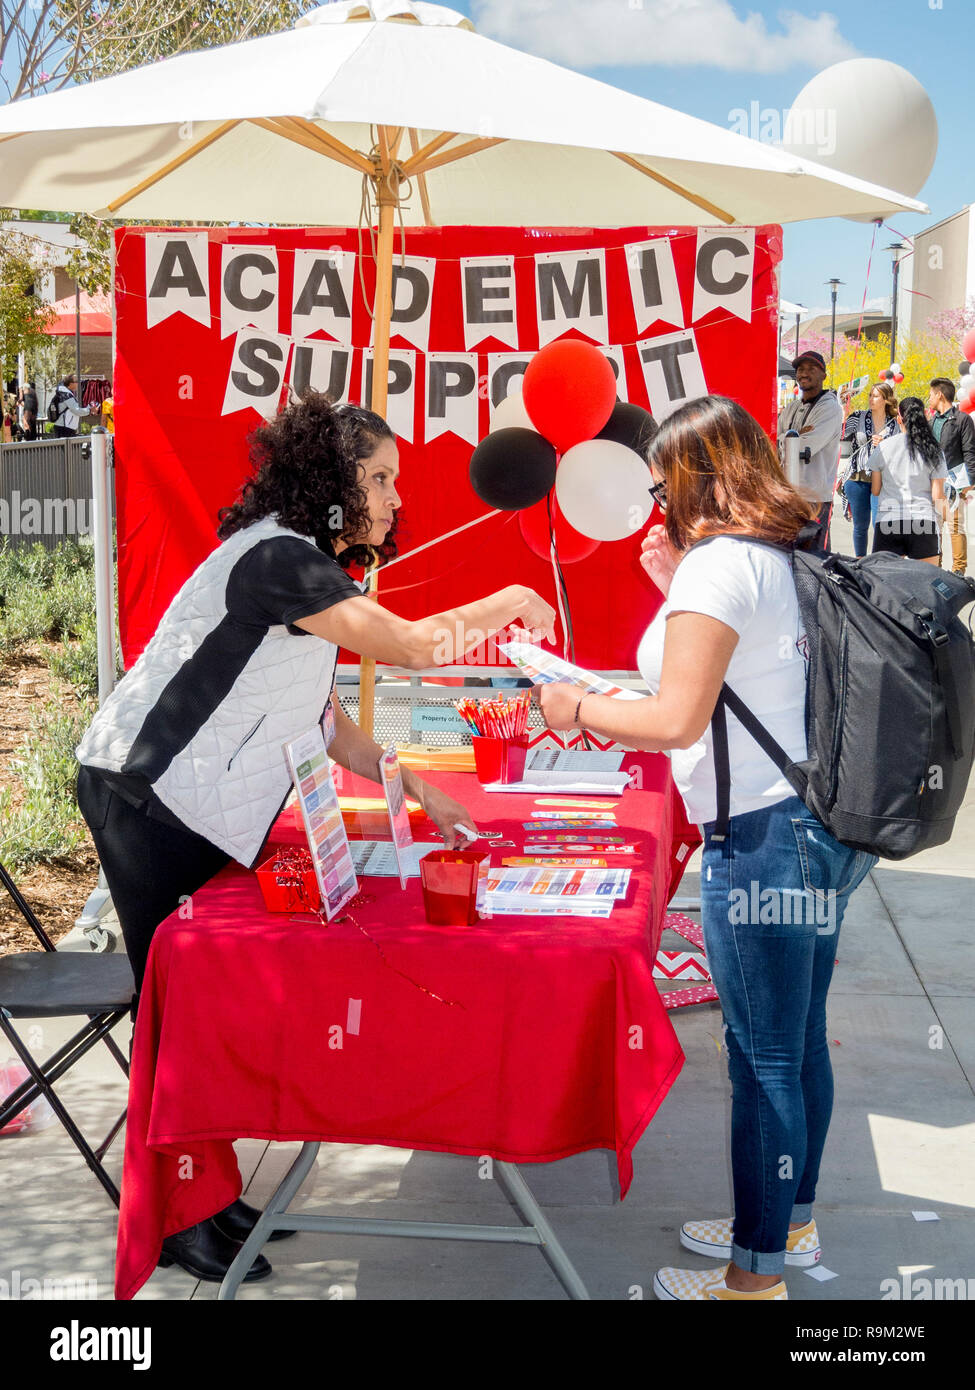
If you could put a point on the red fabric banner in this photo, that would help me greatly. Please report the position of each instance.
(180, 459)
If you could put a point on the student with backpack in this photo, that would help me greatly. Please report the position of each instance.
(908, 472)
(796, 639)
(65, 411)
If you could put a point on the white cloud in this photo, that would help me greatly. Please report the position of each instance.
(666, 33)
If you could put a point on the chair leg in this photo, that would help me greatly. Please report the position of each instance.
(45, 1086)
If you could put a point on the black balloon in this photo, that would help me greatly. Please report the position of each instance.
(513, 468)
(630, 425)
(964, 368)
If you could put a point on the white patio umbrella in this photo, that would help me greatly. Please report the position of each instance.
(404, 103)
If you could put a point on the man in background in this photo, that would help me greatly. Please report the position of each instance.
(69, 408)
(28, 406)
(818, 417)
(955, 432)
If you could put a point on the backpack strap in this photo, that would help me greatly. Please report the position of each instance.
(727, 699)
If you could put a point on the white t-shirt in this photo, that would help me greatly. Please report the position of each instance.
(905, 482)
(750, 588)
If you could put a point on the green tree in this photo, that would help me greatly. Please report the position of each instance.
(23, 316)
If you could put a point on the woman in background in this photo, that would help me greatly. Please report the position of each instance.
(865, 429)
(908, 472)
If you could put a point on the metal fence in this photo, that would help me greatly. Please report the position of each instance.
(45, 492)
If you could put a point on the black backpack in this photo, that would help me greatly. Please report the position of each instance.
(54, 406)
(890, 701)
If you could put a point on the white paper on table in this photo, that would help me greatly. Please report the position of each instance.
(604, 783)
(378, 858)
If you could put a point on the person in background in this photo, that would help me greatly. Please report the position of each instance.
(818, 417)
(865, 429)
(28, 405)
(108, 411)
(955, 432)
(70, 410)
(908, 473)
(731, 612)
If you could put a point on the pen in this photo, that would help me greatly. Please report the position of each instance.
(466, 830)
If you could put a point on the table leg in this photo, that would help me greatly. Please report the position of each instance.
(516, 1190)
(280, 1200)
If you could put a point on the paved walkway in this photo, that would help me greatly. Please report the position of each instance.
(902, 1025)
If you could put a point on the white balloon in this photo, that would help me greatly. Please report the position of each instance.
(967, 382)
(511, 414)
(603, 490)
(869, 118)
(895, 367)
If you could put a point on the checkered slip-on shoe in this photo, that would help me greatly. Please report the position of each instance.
(708, 1285)
(714, 1238)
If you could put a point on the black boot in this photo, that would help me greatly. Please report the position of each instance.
(205, 1252)
(238, 1220)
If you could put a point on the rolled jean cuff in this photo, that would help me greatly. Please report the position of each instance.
(758, 1261)
(802, 1211)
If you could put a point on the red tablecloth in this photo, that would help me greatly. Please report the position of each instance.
(548, 1037)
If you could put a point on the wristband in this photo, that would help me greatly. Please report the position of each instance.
(575, 717)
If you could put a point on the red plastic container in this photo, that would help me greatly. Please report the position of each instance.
(280, 890)
(453, 881)
(500, 759)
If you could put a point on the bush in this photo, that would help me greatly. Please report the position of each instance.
(48, 824)
(45, 595)
(77, 662)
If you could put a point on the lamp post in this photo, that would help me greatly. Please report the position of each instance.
(897, 250)
(834, 287)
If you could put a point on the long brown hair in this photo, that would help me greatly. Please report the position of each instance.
(890, 398)
(723, 476)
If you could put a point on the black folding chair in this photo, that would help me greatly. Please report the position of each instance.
(60, 984)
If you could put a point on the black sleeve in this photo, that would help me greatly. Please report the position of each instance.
(283, 579)
(967, 442)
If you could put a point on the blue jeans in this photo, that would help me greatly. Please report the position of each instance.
(773, 894)
(859, 498)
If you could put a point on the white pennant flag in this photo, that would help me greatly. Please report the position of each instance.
(248, 288)
(322, 298)
(177, 276)
(615, 356)
(412, 300)
(488, 291)
(724, 269)
(257, 372)
(452, 397)
(321, 366)
(402, 389)
(672, 371)
(570, 289)
(653, 283)
(505, 368)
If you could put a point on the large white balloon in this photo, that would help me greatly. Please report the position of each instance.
(869, 118)
(511, 413)
(603, 490)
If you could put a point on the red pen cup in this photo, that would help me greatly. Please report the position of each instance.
(500, 759)
(452, 881)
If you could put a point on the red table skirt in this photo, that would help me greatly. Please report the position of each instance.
(526, 1039)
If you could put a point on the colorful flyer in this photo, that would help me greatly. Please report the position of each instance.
(311, 774)
(399, 816)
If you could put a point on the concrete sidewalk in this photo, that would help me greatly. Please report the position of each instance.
(902, 1025)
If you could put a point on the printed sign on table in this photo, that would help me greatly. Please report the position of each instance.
(311, 773)
(399, 816)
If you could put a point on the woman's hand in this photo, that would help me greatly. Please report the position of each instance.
(659, 558)
(558, 701)
(533, 613)
(446, 813)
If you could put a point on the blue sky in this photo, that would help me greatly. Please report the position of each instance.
(709, 57)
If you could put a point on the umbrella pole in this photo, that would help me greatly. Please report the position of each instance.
(380, 385)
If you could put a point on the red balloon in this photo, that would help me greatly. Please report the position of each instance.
(968, 345)
(967, 406)
(571, 545)
(898, 377)
(569, 392)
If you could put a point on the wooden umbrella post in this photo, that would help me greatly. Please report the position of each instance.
(382, 314)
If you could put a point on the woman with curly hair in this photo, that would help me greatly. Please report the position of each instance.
(181, 768)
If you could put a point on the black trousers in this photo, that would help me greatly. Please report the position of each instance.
(150, 864)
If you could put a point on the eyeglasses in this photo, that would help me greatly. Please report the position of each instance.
(659, 494)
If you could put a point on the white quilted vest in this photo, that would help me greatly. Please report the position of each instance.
(230, 781)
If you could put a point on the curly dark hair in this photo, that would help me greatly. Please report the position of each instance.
(306, 473)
